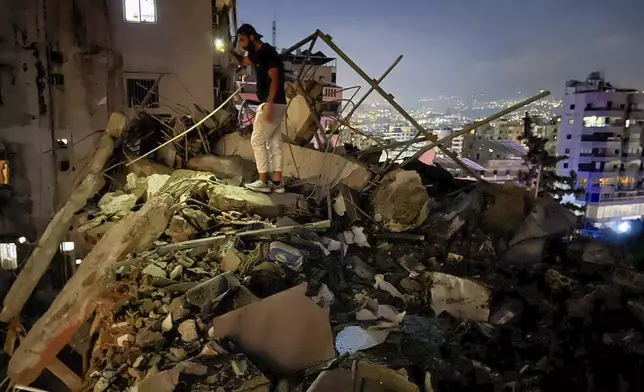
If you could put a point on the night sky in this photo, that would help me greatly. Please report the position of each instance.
(462, 47)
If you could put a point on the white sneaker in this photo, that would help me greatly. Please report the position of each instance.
(278, 187)
(259, 186)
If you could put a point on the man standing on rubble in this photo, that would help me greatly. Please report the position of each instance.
(268, 124)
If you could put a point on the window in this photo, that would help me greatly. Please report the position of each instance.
(568, 137)
(609, 105)
(594, 121)
(567, 151)
(572, 107)
(137, 91)
(140, 11)
(333, 77)
(495, 172)
(507, 172)
(571, 121)
(321, 79)
(565, 166)
(589, 106)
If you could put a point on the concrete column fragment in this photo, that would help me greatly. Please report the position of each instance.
(58, 227)
(309, 165)
(78, 299)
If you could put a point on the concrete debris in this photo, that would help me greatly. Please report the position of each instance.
(402, 201)
(231, 198)
(459, 297)
(232, 166)
(346, 282)
(311, 166)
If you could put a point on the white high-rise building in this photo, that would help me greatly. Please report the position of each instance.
(601, 133)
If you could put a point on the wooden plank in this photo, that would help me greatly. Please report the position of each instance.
(57, 229)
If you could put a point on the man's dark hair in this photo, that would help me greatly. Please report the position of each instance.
(248, 30)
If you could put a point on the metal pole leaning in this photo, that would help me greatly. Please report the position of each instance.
(302, 42)
(329, 41)
(364, 97)
(475, 125)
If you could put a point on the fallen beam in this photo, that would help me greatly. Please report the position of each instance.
(78, 299)
(57, 229)
(305, 163)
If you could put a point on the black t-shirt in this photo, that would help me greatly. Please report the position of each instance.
(264, 59)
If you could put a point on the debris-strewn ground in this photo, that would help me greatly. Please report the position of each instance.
(407, 282)
(478, 287)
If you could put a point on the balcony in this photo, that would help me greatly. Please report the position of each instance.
(622, 195)
(332, 93)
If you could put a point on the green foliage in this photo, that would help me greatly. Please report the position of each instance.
(538, 159)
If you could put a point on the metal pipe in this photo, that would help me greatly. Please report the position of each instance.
(384, 75)
(477, 124)
(191, 128)
(302, 42)
(327, 39)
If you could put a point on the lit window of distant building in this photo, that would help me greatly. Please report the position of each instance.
(571, 121)
(594, 121)
(140, 11)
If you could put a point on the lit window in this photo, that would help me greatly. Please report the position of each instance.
(67, 246)
(571, 121)
(8, 256)
(140, 11)
(594, 121)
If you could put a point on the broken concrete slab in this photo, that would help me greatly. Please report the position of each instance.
(300, 121)
(57, 229)
(78, 299)
(233, 198)
(288, 330)
(304, 163)
(225, 166)
(402, 201)
(378, 378)
(547, 219)
(206, 293)
(180, 229)
(459, 297)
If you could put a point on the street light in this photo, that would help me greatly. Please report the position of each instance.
(220, 45)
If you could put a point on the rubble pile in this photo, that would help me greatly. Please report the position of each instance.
(488, 290)
(408, 281)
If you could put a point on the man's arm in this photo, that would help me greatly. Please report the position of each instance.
(242, 60)
(274, 74)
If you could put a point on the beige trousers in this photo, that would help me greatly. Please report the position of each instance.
(266, 139)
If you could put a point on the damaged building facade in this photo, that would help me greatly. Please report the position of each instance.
(66, 64)
(601, 133)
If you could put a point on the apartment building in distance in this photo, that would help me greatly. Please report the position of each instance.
(66, 65)
(501, 129)
(601, 133)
